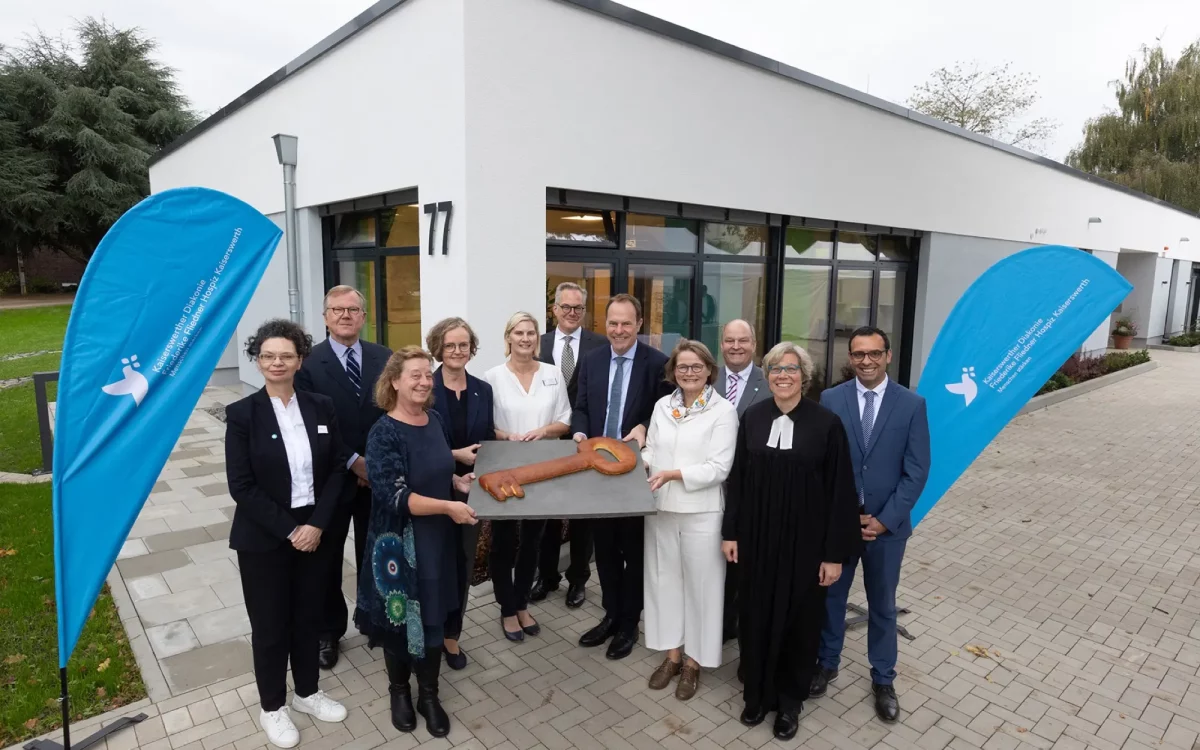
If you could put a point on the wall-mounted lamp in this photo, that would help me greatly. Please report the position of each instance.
(1094, 220)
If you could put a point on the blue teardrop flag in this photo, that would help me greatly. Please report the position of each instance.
(157, 306)
(1010, 331)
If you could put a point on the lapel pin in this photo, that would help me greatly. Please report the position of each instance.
(274, 436)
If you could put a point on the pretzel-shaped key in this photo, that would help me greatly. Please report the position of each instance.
(507, 483)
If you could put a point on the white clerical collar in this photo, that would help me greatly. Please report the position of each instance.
(781, 433)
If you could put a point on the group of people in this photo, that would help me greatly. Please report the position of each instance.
(765, 503)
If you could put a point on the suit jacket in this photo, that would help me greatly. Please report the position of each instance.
(480, 419)
(646, 386)
(260, 479)
(587, 342)
(323, 373)
(756, 388)
(890, 473)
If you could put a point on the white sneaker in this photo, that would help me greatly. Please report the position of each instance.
(281, 732)
(320, 706)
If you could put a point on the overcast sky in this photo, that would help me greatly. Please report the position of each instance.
(220, 48)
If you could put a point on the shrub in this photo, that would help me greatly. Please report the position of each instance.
(1079, 369)
(1185, 339)
(1114, 361)
(8, 281)
(43, 285)
(1057, 381)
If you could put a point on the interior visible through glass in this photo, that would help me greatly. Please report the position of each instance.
(402, 275)
(360, 274)
(665, 292)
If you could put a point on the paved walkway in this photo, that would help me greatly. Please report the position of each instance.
(16, 301)
(1067, 555)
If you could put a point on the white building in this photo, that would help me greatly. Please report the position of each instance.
(583, 140)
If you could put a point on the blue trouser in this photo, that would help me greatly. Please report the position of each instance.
(881, 561)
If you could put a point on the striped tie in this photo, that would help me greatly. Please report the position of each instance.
(731, 391)
(353, 372)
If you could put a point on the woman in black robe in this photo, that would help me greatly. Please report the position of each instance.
(791, 517)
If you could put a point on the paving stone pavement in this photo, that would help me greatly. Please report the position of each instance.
(1067, 553)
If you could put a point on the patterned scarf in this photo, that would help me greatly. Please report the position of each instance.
(681, 412)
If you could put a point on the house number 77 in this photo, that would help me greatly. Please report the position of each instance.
(433, 209)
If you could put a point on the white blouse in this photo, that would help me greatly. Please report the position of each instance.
(701, 446)
(517, 411)
(299, 450)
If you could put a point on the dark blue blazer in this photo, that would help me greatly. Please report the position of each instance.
(480, 417)
(646, 386)
(892, 472)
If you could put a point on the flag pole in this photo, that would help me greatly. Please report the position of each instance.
(66, 708)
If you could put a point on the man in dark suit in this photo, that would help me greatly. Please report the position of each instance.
(743, 384)
(889, 450)
(345, 368)
(564, 347)
(618, 387)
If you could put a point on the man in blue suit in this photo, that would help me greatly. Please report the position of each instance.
(889, 449)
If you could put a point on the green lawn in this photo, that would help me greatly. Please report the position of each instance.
(29, 330)
(102, 672)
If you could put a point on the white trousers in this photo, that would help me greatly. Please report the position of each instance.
(685, 584)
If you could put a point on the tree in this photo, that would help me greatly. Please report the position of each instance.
(1151, 142)
(76, 132)
(990, 102)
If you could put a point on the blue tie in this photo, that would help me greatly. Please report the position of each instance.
(868, 423)
(612, 424)
(353, 372)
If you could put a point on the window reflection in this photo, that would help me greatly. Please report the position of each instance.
(401, 226)
(854, 246)
(595, 278)
(402, 274)
(660, 234)
(852, 310)
(735, 239)
(360, 274)
(581, 226)
(354, 229)
(801, 242)
(805, 316)
(731, 291)
(665, 292)
(897, 248)
(890, 316)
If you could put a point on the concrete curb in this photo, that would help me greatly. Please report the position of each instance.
(1057, 397)
(7, 477)
(1169, 348)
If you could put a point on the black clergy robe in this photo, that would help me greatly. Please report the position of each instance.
(789, 510)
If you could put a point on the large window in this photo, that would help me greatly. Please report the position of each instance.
(811, 284)
(377, 253)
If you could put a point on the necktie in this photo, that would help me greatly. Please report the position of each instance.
(612, 424)
(868, 423)
(353, 372)
(567, 359)
(731, 391)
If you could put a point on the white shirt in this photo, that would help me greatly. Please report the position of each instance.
(862, 397)
(743, 379)
(517, 411)
(701, 447)
(560, 340)
(339, 350)
(299, 450)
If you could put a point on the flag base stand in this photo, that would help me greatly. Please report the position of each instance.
(860, 616)
(92, 739)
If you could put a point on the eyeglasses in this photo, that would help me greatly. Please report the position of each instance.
(466, 347)
(875, 355)
(340, 311)
(267, 358)
(780, 369)
(691, 368)
(577, 309)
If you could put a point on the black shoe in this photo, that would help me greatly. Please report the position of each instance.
(821, 681)
(753, 715)
(514, 636)
(437, 723)
(621, 646)
(887, 707)
(327, 653)
(533, 629)
(786, 724)
(576, 593)
(399, 670)
(599, 634)
(541, 590)
(455, 661)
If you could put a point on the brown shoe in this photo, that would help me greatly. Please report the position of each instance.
(689, 680)
(662, 676)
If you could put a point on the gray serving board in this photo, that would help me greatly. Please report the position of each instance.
(585, 494)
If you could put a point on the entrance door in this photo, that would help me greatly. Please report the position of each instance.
(667, 292)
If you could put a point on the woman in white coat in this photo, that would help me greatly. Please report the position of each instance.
(689, 451)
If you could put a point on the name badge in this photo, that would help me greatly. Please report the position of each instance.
(322, 429)
(550, 381)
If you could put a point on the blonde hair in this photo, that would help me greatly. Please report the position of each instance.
(385, 394)
(435, 341)
(517, 319)
(784, 348)
(700, 350)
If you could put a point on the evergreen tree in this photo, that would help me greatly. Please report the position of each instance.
(78, 123)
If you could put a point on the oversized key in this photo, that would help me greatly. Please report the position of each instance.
(507, 483)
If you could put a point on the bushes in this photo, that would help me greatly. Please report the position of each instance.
(1185, 339)
(1079, 369)
(8, 280)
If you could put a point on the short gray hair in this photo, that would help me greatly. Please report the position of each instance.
(784, 348)
(341, 289)
(570, 286)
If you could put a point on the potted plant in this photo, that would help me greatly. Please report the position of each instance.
(1123, 333)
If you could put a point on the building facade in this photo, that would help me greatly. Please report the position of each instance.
(462, 157)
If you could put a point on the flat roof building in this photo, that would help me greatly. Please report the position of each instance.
(463, 157)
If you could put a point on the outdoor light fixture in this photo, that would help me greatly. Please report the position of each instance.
(286, 148)
(583, 217)
(1094, 220)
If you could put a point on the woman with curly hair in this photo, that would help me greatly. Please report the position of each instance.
(285, 469)
(409, 587)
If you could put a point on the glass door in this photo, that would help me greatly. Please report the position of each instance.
(667, 293)
(595, 278)
(362, 275)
